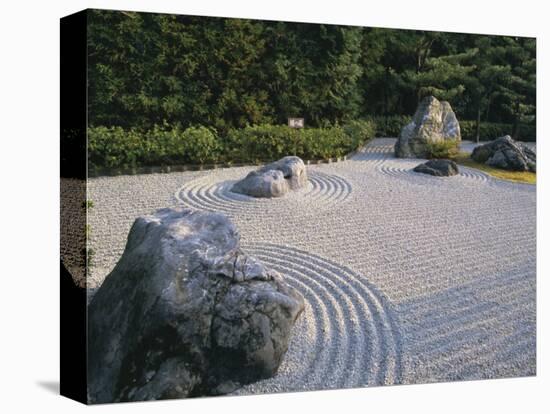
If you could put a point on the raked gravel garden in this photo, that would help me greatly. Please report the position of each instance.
(407, 278)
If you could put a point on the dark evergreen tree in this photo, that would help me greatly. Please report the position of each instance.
(153, 69)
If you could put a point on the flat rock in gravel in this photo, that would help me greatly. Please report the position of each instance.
(433, 121)
(439, 168)
(507, 154)
(275, 179)
(185, 312)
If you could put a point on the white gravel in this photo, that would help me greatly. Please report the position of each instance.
(407, 278)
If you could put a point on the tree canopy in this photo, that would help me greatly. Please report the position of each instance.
(149, 69)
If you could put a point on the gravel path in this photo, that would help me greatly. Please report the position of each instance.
(407, 278)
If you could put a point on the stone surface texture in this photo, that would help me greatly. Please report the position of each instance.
(185, 312)
(434, 121)
(507, 154)
(275, 179)
(439, 168)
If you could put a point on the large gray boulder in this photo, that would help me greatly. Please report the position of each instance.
(185, 312)
(507, 154)
(275, 179)
(434, 121)
(439, 168)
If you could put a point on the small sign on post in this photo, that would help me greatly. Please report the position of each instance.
(296, 122)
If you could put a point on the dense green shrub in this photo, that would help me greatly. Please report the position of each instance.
(270, 142)
(201, 145)
(115, 147)
(442, 149)
(323, 143)
(390, 126)
(260, 142)
(527, 132)
(360, 131)
(168, 146)
(489, 131)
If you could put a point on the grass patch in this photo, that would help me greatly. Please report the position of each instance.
(442, 149)
(463, 158)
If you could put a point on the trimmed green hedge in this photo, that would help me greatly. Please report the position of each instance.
(269, 142)
(115, 147)
(360, 131)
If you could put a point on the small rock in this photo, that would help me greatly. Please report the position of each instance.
(274, 179)
(507, 154)
(439, 168)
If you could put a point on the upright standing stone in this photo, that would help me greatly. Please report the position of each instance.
(433, 121)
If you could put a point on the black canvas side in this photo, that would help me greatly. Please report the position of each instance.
(73, 378)
(73, 382)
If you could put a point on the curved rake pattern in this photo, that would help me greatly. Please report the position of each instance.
(404, 171)
(212, 193)
(347, 335)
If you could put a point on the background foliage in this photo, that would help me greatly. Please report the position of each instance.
(153, 73)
